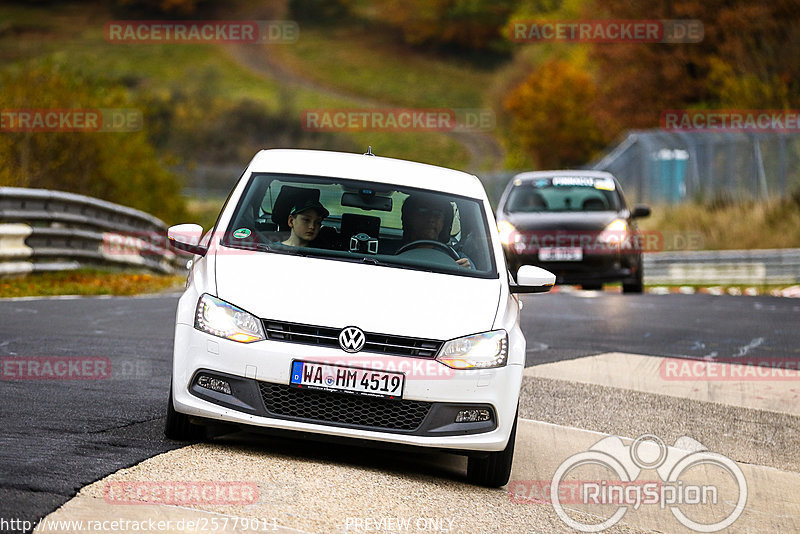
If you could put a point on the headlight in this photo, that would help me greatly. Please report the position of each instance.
(615, 233)
(507, 231)
(221, 319)
(479, 351)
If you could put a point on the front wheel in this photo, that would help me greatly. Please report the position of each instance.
(178, 426)
(495, 470)
(636, 286)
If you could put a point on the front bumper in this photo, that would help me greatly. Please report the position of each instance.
(261, 397)
(598, 268)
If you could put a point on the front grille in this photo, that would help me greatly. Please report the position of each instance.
(329, 337)
(343, 409)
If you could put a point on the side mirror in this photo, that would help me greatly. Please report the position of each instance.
(532, 279)
(187, 237)
(640, 211)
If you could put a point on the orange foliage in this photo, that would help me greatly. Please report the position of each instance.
(551, 115)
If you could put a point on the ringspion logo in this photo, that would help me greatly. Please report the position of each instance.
(690, 476)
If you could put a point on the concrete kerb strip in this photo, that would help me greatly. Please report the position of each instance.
(689, 379)
(319, 488)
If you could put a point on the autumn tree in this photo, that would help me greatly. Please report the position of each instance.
(747, 58)
(466, 24)
(551, 116)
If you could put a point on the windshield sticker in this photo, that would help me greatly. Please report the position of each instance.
(604, 184)
(574, 181)
(241, 233)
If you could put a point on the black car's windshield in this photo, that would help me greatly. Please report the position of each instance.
(567, 193)
(364, 222)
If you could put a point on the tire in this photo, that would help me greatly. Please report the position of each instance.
(593, 286)
(495, 470)
(178, 426)
(636, 286)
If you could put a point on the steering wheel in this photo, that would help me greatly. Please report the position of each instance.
(447, 249)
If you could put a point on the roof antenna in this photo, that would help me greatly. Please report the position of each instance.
(369, 151)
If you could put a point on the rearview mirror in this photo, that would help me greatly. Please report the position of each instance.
(367, 201)
(640, 211)
(187, 237)
(532, 279)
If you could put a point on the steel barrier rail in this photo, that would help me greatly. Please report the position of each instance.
(44, 230)
(744, 267)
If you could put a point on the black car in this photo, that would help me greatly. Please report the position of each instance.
(575, 224)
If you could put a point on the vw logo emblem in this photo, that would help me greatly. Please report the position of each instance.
(352, 339)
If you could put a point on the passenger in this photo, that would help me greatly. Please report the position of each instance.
(428, 218)
(305, 221)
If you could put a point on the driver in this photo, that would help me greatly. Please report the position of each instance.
(426, 217)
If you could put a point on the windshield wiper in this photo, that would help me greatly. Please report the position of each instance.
(263, 247)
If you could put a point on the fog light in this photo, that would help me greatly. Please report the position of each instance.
(214, 384)
(473, 416)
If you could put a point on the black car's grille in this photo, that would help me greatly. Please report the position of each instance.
(329, 337)
(343, 409)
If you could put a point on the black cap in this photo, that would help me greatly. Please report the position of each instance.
(308, 205)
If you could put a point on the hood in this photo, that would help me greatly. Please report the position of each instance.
(581, 220)
(336, 294)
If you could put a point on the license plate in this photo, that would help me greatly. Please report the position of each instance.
(384, 384)
(561, 254)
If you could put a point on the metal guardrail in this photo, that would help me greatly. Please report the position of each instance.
(745, 267)
(43, 230)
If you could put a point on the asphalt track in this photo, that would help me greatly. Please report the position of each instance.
(60, 436)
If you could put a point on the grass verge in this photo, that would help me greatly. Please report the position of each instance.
(729, 225)
(88, 282)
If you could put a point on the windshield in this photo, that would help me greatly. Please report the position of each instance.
(373, 223)
(565, 193)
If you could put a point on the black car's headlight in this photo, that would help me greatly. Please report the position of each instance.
(219, 318)
(507, 232)
(614, 233)
(478, 351)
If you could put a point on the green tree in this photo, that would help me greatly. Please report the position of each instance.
(121, 167)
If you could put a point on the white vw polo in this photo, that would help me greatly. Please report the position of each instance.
(348, 296)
